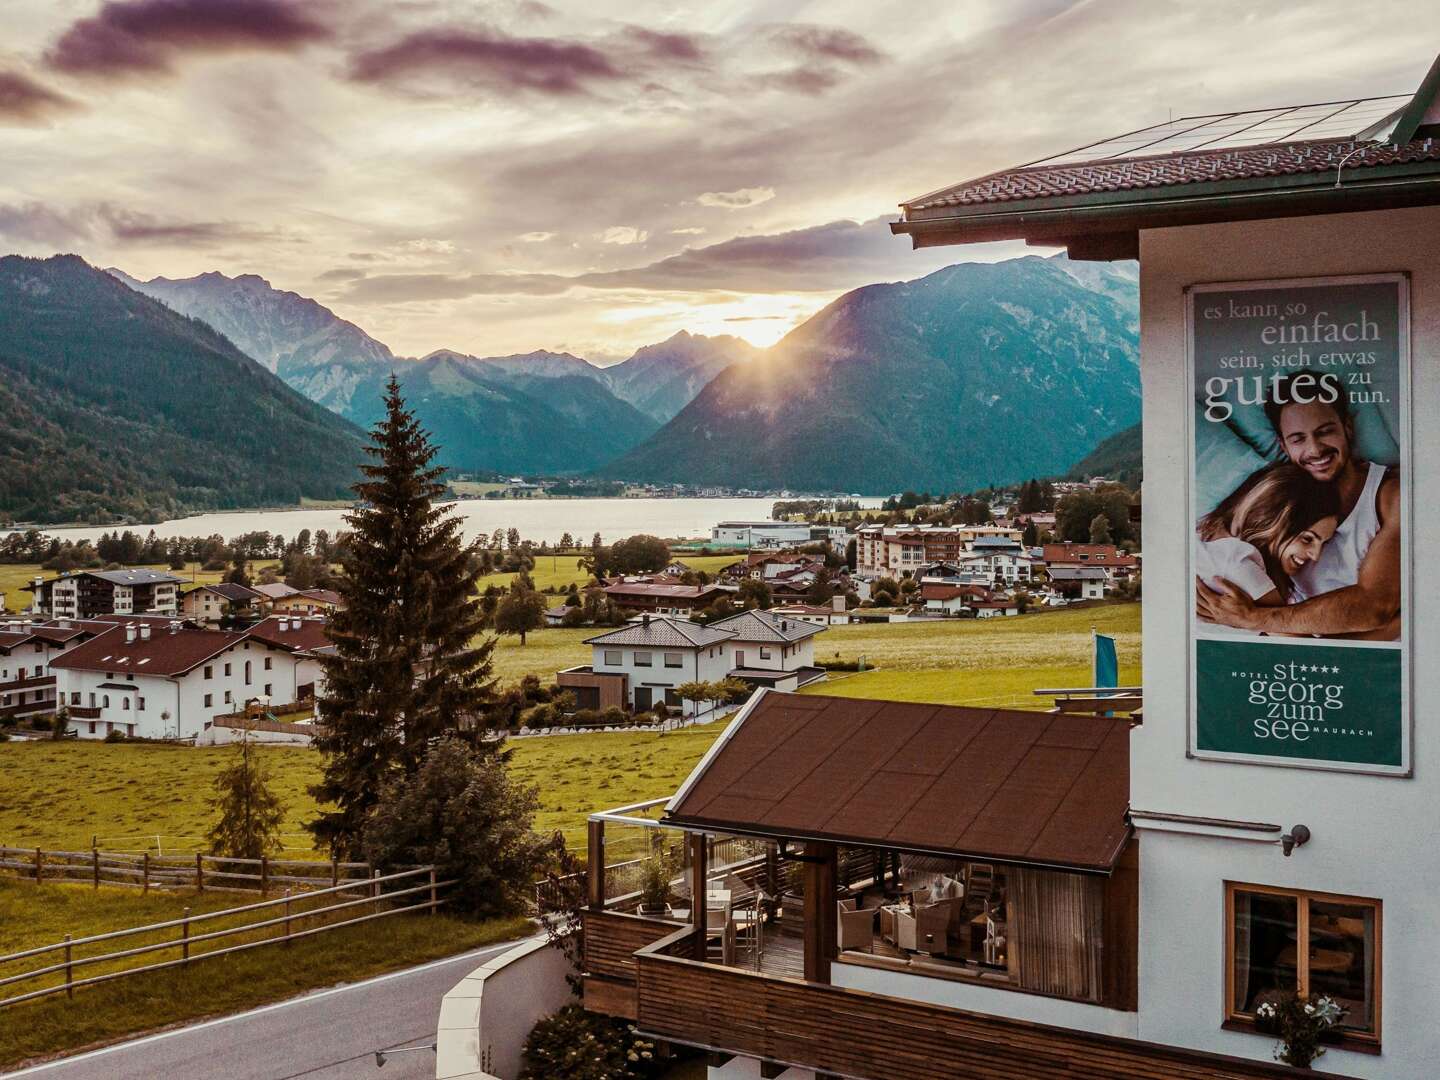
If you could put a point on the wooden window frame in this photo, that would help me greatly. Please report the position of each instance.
(1363, 1041)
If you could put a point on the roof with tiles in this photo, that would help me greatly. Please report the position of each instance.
(291, 634)
(1175, 169)
(1032, 788)
(663, 634)
(766, 626)
(163, 653)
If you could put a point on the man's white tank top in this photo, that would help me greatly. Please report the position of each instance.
(1340, 558)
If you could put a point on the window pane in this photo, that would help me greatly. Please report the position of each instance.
(1342, 959)
(1264, 946)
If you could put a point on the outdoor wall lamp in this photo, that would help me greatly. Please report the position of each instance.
(382, 1055)
(1298, 836)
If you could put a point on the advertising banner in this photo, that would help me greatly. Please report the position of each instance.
(1299, 468)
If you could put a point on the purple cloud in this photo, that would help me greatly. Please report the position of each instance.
(135, 36)
(25, 101)
(828, 43)
(484, 57)
(104, 222)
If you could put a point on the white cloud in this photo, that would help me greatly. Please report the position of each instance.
(622, 234)
(426, 246)
(739, 199)
(535, 237)
(694, 230)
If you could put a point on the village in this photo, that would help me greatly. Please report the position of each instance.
(134, 653)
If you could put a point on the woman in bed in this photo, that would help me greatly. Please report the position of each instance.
(1265, 530)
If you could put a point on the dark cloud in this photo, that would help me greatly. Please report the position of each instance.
(677, 47)
(827, 43)
(25, 101)
(148, 36)
(839, 255)
(488, 58)
(36, 223)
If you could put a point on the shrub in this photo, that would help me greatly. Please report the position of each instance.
(40, 723)
(573, 1044)
(116, 735)
(462, 811)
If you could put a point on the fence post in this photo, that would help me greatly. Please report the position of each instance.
(69, 971)
(287, 917)
(199, 872)
(334, 871)
(95, 865)
(375, 889)
(432, 890)
(264, 874)
(39, 857)
(185, 937)
(145, 873)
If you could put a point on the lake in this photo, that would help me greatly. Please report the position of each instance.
(540, 520)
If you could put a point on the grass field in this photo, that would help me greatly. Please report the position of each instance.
(31, 916)
(560, 571)
(59, 795)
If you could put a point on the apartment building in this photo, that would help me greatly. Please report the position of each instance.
(88, 594)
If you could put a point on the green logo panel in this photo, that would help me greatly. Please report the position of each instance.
(1309, 701)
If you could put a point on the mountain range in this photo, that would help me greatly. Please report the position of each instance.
(538, 412)
(136, 397)
(977, 374)
(113, 404)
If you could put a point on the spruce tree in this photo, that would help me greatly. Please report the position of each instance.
(250, 812)
(406, 666)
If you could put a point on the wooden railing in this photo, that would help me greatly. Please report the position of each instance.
(198, 871)
(26, 682)
(862, 1035)
(279, 928)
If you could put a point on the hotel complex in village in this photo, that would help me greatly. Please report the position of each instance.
(881, 890)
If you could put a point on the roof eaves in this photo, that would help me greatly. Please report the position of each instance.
(719, 744)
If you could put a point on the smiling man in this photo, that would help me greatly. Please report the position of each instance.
(1353, 588)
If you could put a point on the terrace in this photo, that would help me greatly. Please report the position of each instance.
(923, 891)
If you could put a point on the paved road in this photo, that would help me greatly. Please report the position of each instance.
(327, 1035)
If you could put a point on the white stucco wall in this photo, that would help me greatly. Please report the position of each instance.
(782, 657)
(709, 664)
(989, 1000)
(1373, 836)
(486, 1017)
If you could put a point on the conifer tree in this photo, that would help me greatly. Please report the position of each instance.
(407, 666)
(250, 813)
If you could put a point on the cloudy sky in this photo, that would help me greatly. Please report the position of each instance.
(498, 177)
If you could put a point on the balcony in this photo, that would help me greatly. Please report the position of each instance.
(872, 904)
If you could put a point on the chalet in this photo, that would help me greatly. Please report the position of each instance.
(771, 649)
(1118, 565)
(86, 594)
(27, 648)
(945, 599)
(650, 598)
(836, 613)
(308, 602)
(274, 590)
(158, 678)
(211, 603)
(1079, 582)
(643, 664)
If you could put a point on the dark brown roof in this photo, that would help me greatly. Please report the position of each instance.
(1005, 785)
(164, 654)
(299, 634)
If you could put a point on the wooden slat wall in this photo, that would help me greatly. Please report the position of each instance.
(612, 938)
(871, 1037)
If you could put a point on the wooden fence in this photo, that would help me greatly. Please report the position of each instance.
(377, 898)
(199, 872)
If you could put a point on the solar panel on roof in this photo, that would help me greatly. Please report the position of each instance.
(1254, 127)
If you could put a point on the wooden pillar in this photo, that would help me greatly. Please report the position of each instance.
(595, 866)
(699, 870)
(820, 918)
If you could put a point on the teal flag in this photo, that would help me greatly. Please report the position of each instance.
(1107, 663)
